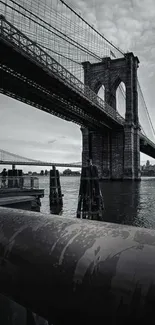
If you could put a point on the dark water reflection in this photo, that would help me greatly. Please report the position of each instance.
(131, 203)
(122, 201)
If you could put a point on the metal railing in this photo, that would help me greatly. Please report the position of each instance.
(11, 34)
(22, 182)
(147, 140)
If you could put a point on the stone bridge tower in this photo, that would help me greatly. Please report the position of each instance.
(116, 153)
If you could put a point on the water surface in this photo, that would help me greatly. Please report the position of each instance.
(127, 202)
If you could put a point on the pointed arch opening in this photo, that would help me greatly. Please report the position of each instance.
(121, 99)
(101, 92)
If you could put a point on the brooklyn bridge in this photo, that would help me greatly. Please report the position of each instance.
(66, 270)
(58, 64)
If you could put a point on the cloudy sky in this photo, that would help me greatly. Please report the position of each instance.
(130, 24)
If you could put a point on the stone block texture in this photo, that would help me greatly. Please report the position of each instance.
(115, 152)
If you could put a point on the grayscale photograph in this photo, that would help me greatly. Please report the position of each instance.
(77, 162)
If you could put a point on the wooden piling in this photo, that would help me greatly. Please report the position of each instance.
(15, 178)
(32, 182)
(10, 178)
(55, 189)
(21, 180)
(90, 200)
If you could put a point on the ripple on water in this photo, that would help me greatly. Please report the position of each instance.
(131, 203)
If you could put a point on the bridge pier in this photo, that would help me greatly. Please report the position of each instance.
(100, 151)
(131, 153)
(116, 152)
(116, 155)
(137, 153)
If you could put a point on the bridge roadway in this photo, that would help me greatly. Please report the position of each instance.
(30, 75)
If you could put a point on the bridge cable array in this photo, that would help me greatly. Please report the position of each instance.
(11, 158)
(57, 27)
(59, 30)
(144, 116)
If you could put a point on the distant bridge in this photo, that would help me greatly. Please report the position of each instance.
(8, 158)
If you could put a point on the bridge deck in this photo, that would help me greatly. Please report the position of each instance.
(147, 146)
(31, 75)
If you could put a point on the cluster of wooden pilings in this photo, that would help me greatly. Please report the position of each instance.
(90, 200)
(15, 178)
(55, 195)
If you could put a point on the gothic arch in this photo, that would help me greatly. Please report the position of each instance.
(110, 73)
(121, 99)
(96, 83)
(101, 92)
(116, 82)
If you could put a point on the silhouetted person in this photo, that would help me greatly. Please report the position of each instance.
(4, 174)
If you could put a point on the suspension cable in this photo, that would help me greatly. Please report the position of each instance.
(111, 44)
(70, 41)
(142, 96)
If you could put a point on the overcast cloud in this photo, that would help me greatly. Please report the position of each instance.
(130, 24)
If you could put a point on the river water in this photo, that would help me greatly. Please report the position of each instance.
(131, 203)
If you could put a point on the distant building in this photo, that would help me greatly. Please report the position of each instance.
(69, 172)
(34, 174)
(148, 169)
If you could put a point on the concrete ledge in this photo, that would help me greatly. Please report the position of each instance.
(76, 271)
(4, 192)
(18, 202)
(15, 199)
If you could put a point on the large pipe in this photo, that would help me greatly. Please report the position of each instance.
(74, 271)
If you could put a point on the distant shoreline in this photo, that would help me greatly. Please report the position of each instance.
(70, 175)
(61, 175)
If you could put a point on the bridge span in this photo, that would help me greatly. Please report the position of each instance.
(30, 73)
(39, 163)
